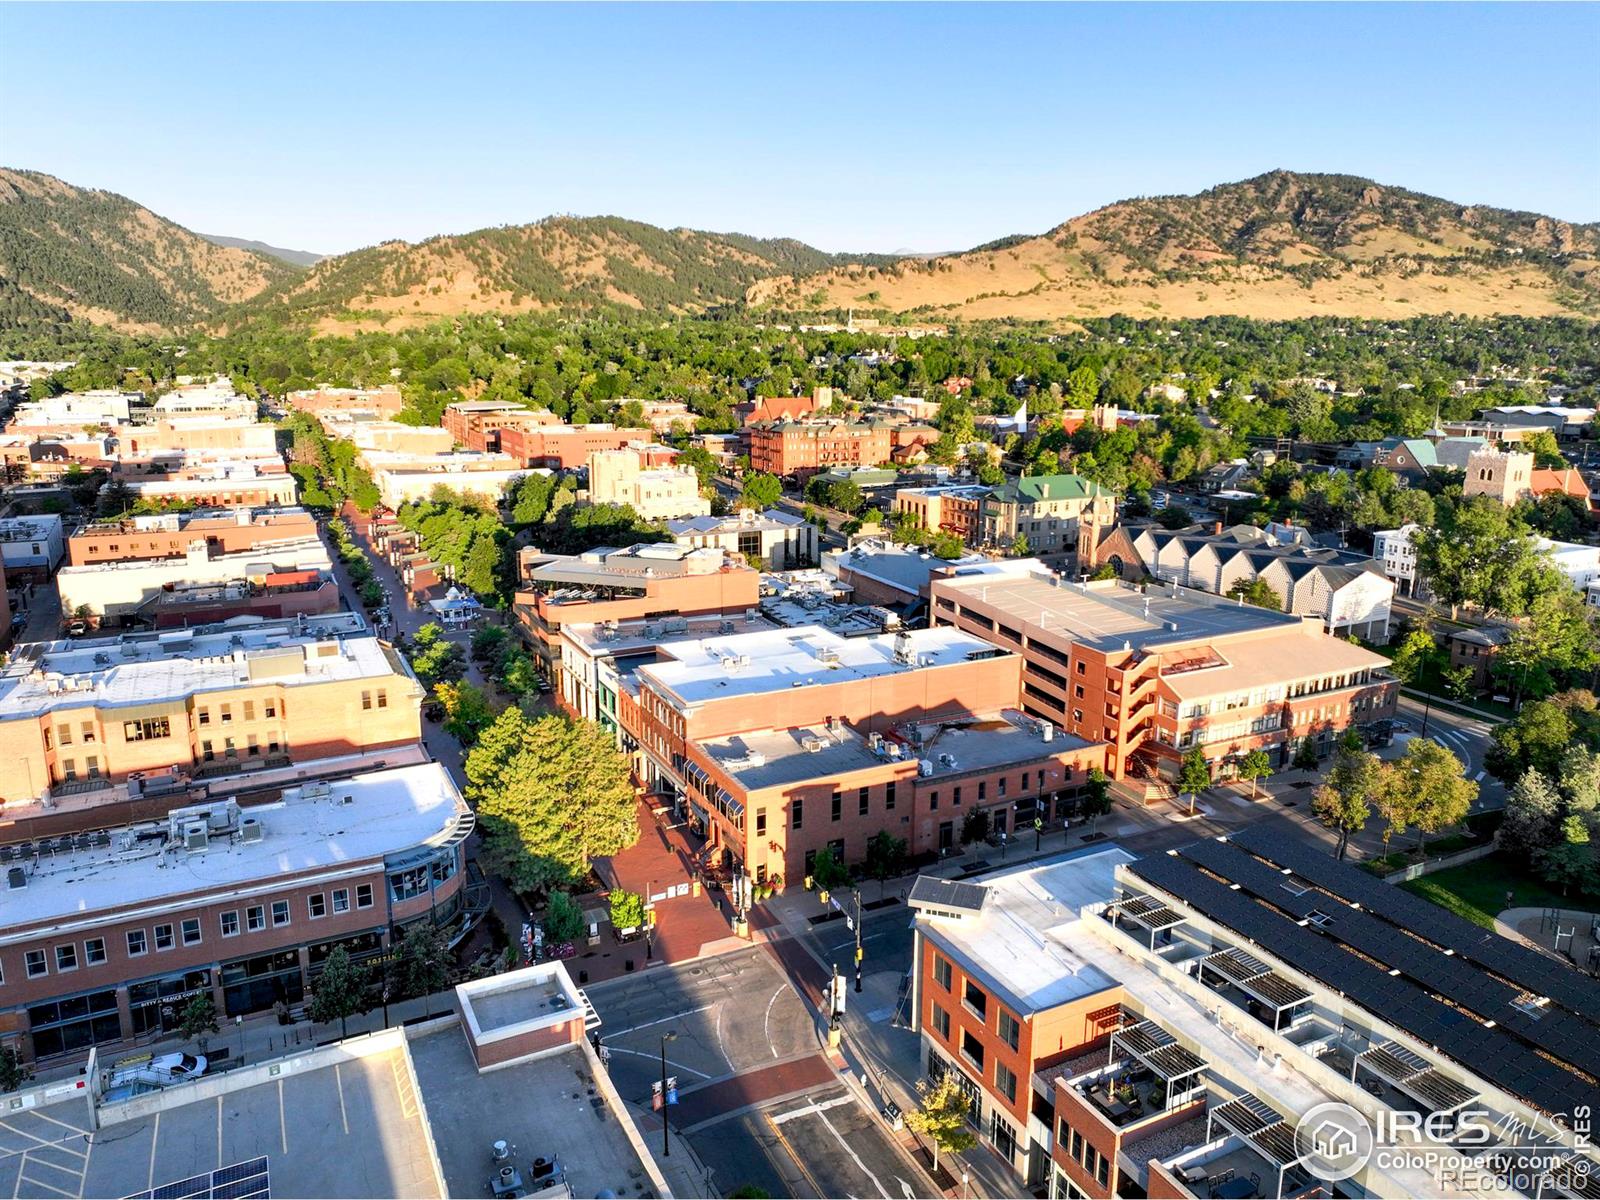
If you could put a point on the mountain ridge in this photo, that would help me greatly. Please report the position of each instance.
(295, 258)
(1279, 245)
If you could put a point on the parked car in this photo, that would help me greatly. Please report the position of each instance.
(77, 627)
(433, 710)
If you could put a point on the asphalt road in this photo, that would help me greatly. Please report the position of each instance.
(759, 1102)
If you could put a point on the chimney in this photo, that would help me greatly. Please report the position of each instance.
(1216, 527)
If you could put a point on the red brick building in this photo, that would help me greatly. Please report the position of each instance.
(169, 535)
(799, 449)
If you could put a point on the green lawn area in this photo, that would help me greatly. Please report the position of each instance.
(1477, 890)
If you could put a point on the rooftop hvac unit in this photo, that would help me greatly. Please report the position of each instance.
(924, 768)
(16, 879)
(947, 760)
(813, 745)
(894, 749)
(875, 740)
(195, 836)
(1047, 731)
(251, 830)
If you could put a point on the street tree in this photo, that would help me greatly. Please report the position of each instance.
(13, 1074)
(886, 856)
(467, 710)
(421, 962)
(1555, 642)
(1194, 776)
(1255, 766)
(198, 1016)
(1343, 802)
(1532, 820)
(551, 795)
(941, 1116)
(563, 919)
(1425, 789)
(1541, 733)
(1096, 797)
(340, 992)
(1417, 652)
(627, 909)
(761, 491)
(827, 872)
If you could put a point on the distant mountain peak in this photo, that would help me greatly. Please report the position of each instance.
(296, 258)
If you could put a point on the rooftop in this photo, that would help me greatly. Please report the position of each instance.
(1020, 941)
(744, 519)
(614, 638)
(176, 522)
(1107, 615)
(901, 567)
(645, 561)
(141, 668)
(754, 664)
(315, 825)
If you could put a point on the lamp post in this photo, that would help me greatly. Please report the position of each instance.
(666, 1142)
(858, 939)
(965, 1177)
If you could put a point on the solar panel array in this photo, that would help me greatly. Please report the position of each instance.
(1536, 972)
(1489, 1052)
(246, 1180)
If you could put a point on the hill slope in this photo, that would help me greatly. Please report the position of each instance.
(1278, 246)
(101, 257)
(295, 258)
(557, 263)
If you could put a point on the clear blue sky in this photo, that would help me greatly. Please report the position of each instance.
(327, 127)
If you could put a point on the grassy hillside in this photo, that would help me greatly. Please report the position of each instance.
(100, 257)
(1279, 246)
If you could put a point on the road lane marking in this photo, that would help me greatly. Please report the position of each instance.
(850, 1150)
(343, 1117)
(615, 1033)
(1478, 778)
(652, 1054)
(767, 1025)
(812, 1109)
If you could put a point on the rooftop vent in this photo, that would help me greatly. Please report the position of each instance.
(813, 745)
(195, 836)
(251, 830)
(16, 879)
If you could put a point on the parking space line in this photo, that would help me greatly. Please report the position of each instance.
(47, 1187)
(339, 1083)
(34, 1137)
(64, 1124)
(155, 1134)
(283, 1126)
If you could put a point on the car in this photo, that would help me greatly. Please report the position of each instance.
(18, 622)
(178, 1067)
(77, 627)
(433, 710)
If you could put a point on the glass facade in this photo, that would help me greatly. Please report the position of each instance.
(252, 984)
(75, 1023)
(157, 1004)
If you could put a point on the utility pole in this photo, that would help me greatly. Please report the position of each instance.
(858, 939)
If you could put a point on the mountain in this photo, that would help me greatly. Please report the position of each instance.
(100, 257)
(295, 258)
(565, 263)
(1278, 246)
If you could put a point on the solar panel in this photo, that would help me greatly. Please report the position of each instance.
(248, 1180)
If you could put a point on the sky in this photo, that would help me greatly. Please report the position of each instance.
(327, 127)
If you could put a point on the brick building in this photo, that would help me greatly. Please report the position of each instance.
(781, 743)
(80, 716)
(170, 535)
(385, 401)
(476, 424)
(647, 580)
(799, 449)
(1157, 673)
(564, 447)
(110, 930)
(955, 509)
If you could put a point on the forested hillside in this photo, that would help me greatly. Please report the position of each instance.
(100, 257)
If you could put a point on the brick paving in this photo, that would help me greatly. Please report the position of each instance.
(751, 1088)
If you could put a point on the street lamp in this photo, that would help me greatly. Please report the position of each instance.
(965, 1176)
(666, 1143)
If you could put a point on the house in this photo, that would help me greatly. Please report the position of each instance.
(1046, 510)
(1225, 476)
(1393, 549)
(779, 539)
(1566, 482)
(31, 547)
(1476, 649)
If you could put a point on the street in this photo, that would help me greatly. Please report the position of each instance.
(759, 1101)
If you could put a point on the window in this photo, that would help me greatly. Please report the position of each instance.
(280, 912)
(941, 972)
(164, 937)
(1002, 783)
(206, 752)
(147, 729)
(976, 1000)
(227, 714)
(958, 798)
(366, 701)
(1005, 1081)
(64, 735)
(271, 709)
(941, 1022)
(136, 943)
(1103, 1171)
(255, 918)
(863, 802)
(317, 905)
(383, 698)
(203, 716)
(888, 797)
(1077, 1146)
(88, 731)
(249, 710)
(971, 1049)
(67, 956)
(933, 801)
(837, 806)
(1010, 1030)
(191, 931)
(341, 900)
(983, 790)
(363, 895)
(797, 812)
(229, 921)
(94, 951)
(36, 964)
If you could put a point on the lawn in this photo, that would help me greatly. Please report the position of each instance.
(1477, 890)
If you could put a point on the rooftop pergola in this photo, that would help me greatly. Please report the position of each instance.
(1157, 1050)
(1415, 1076)
(1262, 1128)
(1148, 913)
(1256, 980)
(1578, 1178)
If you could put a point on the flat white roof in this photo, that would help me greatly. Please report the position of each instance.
(755, 663)
(142, 668)
(1023, 943)
(388, 812)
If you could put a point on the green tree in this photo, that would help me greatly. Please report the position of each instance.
(941, 1116)
(1096, 797)
(1532, 820)
(761, 491)
(13, 1074)
(340, 991)
(489, 644)
(1255, 766)
(1344, 802)
(627, 909)
(1477, 554)
(1194, 775)
(421, 962)
(1425, 789)
(1540, 734)
(563, 919)
(1545, 450)
(946, 545)
(467, 711)
(1020, 547)
(1174, 516)
(1459, 682)
(530, 498)
(827, 872)
(484, 562)
(1305, 754)
(1570, 862)
(1556, 642)
(886, 855)
(1416, 654)
(198, 1016)
(551, 794)
(1257, 592)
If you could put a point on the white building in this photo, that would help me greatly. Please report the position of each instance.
(1395, 550)
(119, 589)
(655, 493)
(100, 407)
(404, 477)
(32, 547)
(1580, 564)
(781, 540)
